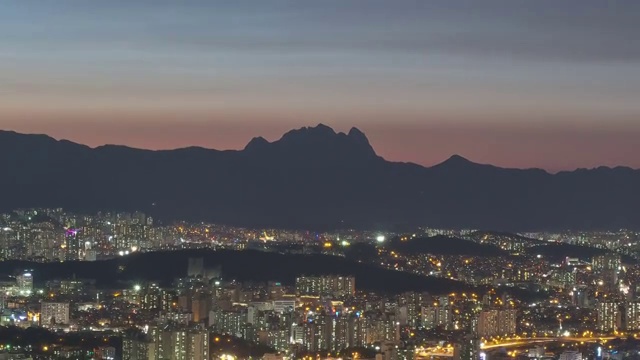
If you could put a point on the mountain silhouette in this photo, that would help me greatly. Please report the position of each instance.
(314, 178)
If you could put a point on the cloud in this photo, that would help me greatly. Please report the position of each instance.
(571, 31)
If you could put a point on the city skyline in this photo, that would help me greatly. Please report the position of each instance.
(548, 86)
(329, 180)
(427, 293)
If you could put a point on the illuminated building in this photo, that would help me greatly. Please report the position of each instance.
(129, 236)
(199, 307)
(275, 290)
(496, 322)
(382, 330)
(105, 353)
(413, 302)
(228, 322)
(326, 285)
(609, 316)
(340, 333)
(151, 298)
(566, 278)
(138, 349)
(507, 321)
(72, 245)
(469, 349)
(580, 296)
(606, 262)
(171, 344)
(284, 306)
(318, 331)
(178, 318)
(167, 300)
(438, 315)
(54, 313)
(72, 352)
(181, 343)
(198, 345)
(8, 240)
(570, 355)
(632, 316)
(278, 339)
(24, 283)
(358, 332)
(70, 286)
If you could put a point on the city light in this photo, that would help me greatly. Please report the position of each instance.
(330, 297)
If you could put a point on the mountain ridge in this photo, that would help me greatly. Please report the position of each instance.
(311, 177)
(259, 140)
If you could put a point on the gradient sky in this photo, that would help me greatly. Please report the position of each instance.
(551, 84)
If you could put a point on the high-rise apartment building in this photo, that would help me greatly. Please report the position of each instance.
(318, 333)
(8, 240)
(181, 343)
(200, 307)
(54, 313)
(606, 262)
(72, 246)
(228, 322)
(496, 322)
(326, 285)
(138, 349)
(278, 339)
(24, 283)
(198, 344)
(437, 315)
(609, 316)
(632, 315)
(358, 331)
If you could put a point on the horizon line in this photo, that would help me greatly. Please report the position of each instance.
(452, 156)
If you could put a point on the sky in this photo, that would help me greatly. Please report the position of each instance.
(515, 83)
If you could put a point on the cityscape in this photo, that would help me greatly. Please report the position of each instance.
(526, 295)
(319, 180)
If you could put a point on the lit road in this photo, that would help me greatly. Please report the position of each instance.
(428, 353)
(528, 341)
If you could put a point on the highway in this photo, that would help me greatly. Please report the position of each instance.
(537, 340)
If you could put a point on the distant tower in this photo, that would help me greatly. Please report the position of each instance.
(196, 267)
